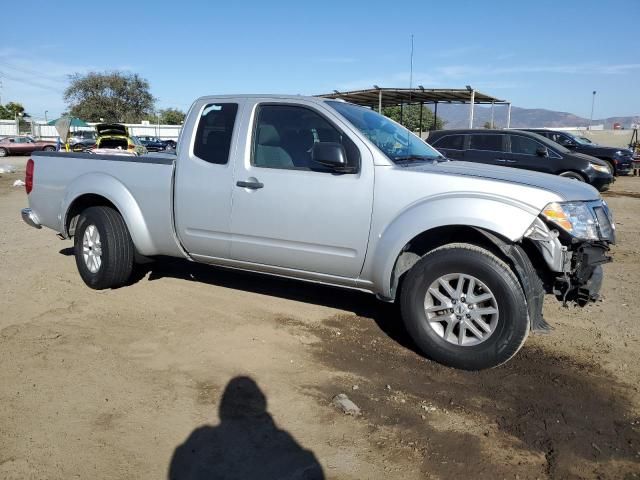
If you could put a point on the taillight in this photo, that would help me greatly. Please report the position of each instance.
(28, 178)
(132, 147)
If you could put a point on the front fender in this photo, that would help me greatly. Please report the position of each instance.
(117, 193)
(503, 216)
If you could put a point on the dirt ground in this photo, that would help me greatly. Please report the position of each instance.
(198, 372)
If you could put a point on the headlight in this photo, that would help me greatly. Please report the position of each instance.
(574, 218)
(600, 168)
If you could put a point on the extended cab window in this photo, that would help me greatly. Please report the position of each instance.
(453, 142)
(524, 145)
(490, 142)
(213, 137)
(285, 135)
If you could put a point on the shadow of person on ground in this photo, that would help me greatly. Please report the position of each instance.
(246, 444)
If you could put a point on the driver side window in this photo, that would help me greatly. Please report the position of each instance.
(285, 135)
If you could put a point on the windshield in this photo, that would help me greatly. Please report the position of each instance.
(582, 140)
(395, 141)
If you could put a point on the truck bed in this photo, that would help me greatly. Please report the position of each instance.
(133, 184)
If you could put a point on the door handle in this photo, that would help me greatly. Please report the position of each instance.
(252, 185)
(505, 160)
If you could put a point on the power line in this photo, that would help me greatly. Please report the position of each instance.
(28, 71)
(33, 83)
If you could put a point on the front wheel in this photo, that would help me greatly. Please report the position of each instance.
(49, 149)
(103, 248)
(464, 307)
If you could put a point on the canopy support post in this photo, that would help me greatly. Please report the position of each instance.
(509, 115)
(435, 116)
(471, 107)
(420, 126)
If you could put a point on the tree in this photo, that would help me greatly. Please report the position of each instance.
(10, 110)
(171, 116)
(411, 117)
(112, 96)
(4, 113)
(14, 108)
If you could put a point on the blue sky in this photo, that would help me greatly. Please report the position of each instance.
(542, 54)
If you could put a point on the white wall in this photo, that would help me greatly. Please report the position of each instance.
(48, 132)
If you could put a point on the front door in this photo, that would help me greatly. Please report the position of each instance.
(292, 213)
(525, 153)
(204, 181)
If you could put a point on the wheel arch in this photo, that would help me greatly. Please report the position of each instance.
(103, 190)
(435, 222)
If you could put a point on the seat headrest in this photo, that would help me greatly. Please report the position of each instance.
(268, 136)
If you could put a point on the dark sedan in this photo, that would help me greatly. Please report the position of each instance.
(23, 145)
(153, 144)
(520, 149)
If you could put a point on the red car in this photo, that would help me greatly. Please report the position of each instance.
(23, 144)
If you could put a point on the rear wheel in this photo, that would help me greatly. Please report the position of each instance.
(103, 248)
(3, 152)
(572, 176)
(464, 307)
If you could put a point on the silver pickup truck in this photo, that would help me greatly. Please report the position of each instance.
(330, 192)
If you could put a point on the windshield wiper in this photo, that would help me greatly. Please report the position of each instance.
(413, 158)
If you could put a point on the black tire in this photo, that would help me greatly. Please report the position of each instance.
(49, 149)
(573, 176)
(3, 152)
(512, 327)
(117, 250)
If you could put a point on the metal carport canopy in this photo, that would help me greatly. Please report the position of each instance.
(379, 98)
(387, 97)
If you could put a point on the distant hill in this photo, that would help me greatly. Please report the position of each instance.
(457, 116)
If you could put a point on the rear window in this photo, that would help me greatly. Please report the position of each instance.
(488, 142)
(453, 142)
(213, 137)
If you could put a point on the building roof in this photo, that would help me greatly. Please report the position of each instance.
(396, 96)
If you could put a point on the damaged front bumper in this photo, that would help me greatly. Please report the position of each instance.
(575, 265)
(582, 283)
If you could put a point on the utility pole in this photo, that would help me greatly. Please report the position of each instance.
(593, 101)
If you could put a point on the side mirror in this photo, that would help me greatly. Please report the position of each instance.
(542, 152)
(331, 155)
(568, 143)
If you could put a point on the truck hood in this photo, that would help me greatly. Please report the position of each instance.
(112, 129)
(569, 190)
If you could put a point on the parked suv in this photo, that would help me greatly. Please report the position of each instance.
(618, 159)
(520, 149)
